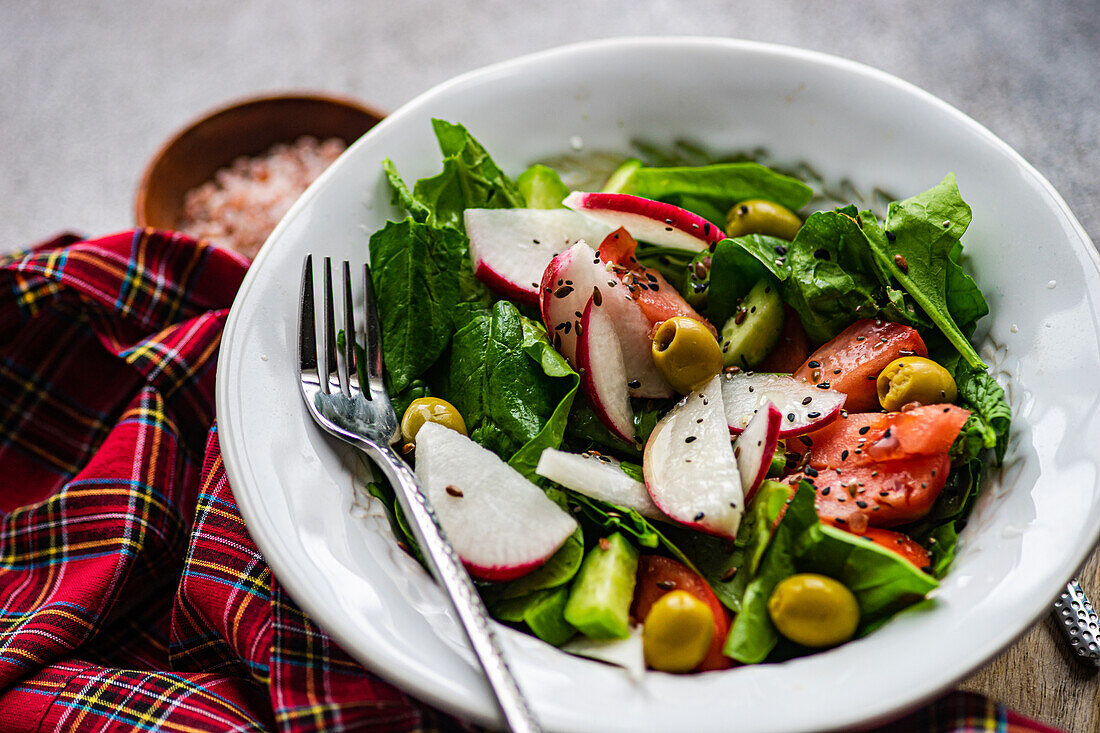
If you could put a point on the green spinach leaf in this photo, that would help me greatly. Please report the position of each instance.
(729, 572)
(513, 390)
(738, 264)
(833, 275)
(558, 570)
(979, 391)
(720, 185)
(752, 635)
(469, 179)
(882, 581)
(414, 269)
(925, 230)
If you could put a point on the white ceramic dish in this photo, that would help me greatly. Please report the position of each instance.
(1034, 525)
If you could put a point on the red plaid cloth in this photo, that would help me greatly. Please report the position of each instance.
(133, 596)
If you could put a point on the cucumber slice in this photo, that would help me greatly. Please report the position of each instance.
(542, 188)
(599, 603)
(547, 620)
(754, 330)
(622, 174)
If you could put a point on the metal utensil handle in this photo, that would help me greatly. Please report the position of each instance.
(449, 571)
(1078, 620)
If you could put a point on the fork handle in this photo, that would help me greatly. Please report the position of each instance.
(449, 571)
(1077, 618)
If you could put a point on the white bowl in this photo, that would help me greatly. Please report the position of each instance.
(1034, 525)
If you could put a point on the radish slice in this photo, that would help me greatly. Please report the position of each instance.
(569, 281)
(510, 248)
(603, 377)
(804, 407)
(689, 467)
(756, 446)
(648, 220)
(598, 477)
(501, 524)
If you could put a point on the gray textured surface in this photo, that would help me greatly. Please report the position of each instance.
(88, 90)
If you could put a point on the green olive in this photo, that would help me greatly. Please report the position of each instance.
(757, 216)
(814, 610)
(677, 632)
(686, 353)
(914, 379)
(430, 409)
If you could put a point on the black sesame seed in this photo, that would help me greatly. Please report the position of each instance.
(563, 291)
(844, 454)
(811, 471)
(813, 415)
(689, 439)
(825, 491)
(823, 385)
(699, 516)
(597, 298)
(807, 400)
(861, 503)
(813, 364)
(790, 417)
(864, 429)
(891, 236)
(634, 384)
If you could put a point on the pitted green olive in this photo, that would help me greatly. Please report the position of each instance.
(430, 409)
(914, 379)
(757, 216)
(686, 353)
(677, 632)
(814, 610)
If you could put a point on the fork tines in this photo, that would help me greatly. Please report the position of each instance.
(334, 373)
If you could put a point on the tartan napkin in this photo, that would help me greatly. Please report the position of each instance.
(132, 595)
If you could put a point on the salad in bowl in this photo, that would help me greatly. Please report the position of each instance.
(690, 420)
(861, 131)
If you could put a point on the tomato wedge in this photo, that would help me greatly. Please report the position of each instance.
(878, 495)
(658, 300)
(869, 438)
(850, 363)
(658, 575)
(792, 349)
(901, 544)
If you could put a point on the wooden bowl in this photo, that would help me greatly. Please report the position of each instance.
(249, 127)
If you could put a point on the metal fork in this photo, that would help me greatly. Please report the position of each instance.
(363, 416)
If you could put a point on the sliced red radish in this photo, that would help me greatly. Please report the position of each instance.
(501, 524)
(603, 376)
(804, 406)
(689, 467)
(573, 278)
(510, 248)
(648, 220)
(599, 477)
(755, 447)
